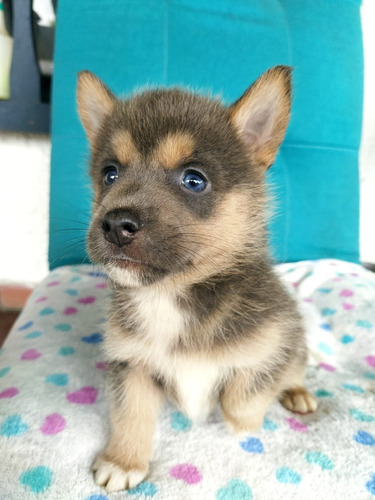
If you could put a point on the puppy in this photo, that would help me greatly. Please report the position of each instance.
(198, 315)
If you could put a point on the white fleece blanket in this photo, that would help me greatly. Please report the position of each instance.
(53, 413)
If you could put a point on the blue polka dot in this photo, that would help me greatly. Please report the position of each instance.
(38, 479)
(26, 325)
(4, 371)
(252, 445)
(97, 497)
(180, 422)
(347, 339)
(13, 426)
(269, 425)
(145, 488)
(66, 350)
(33, 335)
(355, 388)
(323, 347)
(364, 437)
(59, 379)
(47, 311)
(370, 485)
(287, 476)
(325, 326)
(95, 338)
(97, 274)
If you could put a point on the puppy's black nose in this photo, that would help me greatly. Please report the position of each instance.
(120, 226)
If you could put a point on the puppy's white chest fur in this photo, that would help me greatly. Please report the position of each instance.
(193, 379)
(195, 382)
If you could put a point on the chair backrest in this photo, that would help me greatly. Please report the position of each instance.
(222, 47)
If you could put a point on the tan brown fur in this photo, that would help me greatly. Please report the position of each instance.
(124, 148)
(197, 314)
(173, 149)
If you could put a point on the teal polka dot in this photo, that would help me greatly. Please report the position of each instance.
(38, 479)
(323, 347)
(355, 388)
(33, 335)
(236, 489)
(370, 375)
(347, 339)
(47, 311)
(269, 425)
(66, 350)
(363, 323)
(316, 457)
(324, 290)
(180, 422)
(59, 379)
(63, 327)
(4, 371)
(360, 416)
(288, 476)
(322, 393)
(13, 426)
(326, 311)
(145, 488)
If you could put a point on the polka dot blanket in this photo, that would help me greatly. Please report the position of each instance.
(53, 411)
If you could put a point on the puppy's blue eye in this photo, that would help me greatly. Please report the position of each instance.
(194, 181)
(110, 175)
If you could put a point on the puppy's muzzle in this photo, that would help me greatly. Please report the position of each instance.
(120, 227)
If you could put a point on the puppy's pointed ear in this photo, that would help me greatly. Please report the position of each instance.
(261, 115)
(95, 101)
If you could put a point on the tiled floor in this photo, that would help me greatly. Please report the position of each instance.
(7, 318)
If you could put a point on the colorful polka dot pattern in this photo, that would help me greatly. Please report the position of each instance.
(52, 394)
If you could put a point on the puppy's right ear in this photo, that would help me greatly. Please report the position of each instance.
(95, 102)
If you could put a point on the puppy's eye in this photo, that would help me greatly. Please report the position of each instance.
(194, 181)
(110, 175)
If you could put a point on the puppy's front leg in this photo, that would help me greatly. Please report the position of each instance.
(135, 403)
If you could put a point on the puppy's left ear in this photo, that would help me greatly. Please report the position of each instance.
(95, 101)
(262, 114)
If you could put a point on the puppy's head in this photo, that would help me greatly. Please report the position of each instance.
(178, 178)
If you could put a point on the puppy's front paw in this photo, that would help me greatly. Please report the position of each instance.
(112, 477)
(299, 400)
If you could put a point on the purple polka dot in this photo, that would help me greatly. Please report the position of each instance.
(102, 366)
(53, 283)
(84, 396)
(26, 325)
(41, 299)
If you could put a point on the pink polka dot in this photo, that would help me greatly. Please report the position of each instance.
(346, 293)
(53, 283)
(370, 360)
(31, 354)
(53, 424)
(296, 425)
(87, 300)
(187, 472)
(101, 366)
(327, 367)
(41, 299)
(9, 393)
(84, 396)
(70, 310)
(347, 306)
(101, 285)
